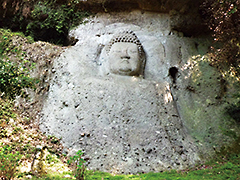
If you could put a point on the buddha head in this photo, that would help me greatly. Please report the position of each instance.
(125, 54)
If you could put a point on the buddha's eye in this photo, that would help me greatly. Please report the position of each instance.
(133, 51)
(117, 51)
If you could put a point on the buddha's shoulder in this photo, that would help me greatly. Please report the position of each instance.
(127, 82)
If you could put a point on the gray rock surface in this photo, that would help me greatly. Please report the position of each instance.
(128, 124)
(123, 125)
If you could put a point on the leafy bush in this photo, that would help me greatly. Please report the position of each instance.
(6, 113)
(47, 20)
(9, 162)
(51, 159)
(14, 76)
(78, 165)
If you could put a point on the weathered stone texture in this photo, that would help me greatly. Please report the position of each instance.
(121, 124)
(124, 124)
(162, 120)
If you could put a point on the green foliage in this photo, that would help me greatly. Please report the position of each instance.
(6, 113)
(78, 165)
(51, 159)
(53, 139)
(51, 21)
(16, 130)
(55, 176)
(6, 46)
(9, 162)
(14, 76)
(6, 110)
(230, 133)
(46, 20)
(222, 167)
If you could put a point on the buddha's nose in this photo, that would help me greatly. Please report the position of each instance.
(125, 54)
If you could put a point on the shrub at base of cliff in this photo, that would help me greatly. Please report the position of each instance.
(19, 144)
(9, 162)
(77, 163)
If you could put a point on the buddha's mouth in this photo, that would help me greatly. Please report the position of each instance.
(125, 70)
(125, 60)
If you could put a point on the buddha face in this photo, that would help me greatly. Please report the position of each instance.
(124, 59)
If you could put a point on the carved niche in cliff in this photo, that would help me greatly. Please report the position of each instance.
(123, 122)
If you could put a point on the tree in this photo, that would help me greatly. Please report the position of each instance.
(223, 18)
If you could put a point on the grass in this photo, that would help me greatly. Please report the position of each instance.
(224, 167)
(53, 176)
(226, 171)
(221, 168)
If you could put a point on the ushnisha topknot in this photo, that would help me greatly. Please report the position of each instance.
(127, 36)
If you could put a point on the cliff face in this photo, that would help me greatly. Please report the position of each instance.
(175, 115)
(170, 118)
(184, 14)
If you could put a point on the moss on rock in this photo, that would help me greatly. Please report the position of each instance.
(204, 107)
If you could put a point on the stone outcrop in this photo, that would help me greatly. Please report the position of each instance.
(184, 14)
(121, 125)
(129, 123)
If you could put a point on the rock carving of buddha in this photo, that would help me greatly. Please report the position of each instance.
(125, 54)
(122, 124)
